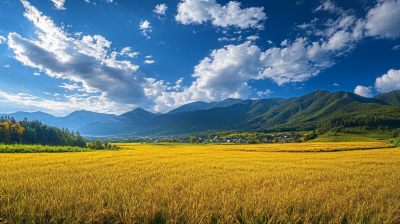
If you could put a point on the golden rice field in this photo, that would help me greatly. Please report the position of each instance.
(203, 184)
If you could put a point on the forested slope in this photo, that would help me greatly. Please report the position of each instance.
(34, 132)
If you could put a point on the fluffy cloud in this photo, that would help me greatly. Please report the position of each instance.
(265, 93)
(253, 37)
(6, 66)
(199, 11)
(388, 82)
(87, 61)
(148, 56)
(160, 9)
(341, 33)
(328, 5)
(395, 48)
(59, 4)
(383, 20)
(72, 87)
(363, 91)
(2, 39)
(145, 27)
(227, 71)
(296, 62)
(125, 52)
(226, 39)
(149, 61)
(178, 84)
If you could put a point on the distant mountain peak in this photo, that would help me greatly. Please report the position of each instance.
(229, 99)
(139, 109)
(200, 105)
(319, 91)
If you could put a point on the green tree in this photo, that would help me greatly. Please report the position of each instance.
(80, 141)
(253, 141)
(30, 136)
(4, 132)
(98, 145)
(193, 139)
(17, 132)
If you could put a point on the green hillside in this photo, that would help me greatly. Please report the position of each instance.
(314, 110)
(204, 106)
(392, 98)
(310, 111)
(203, 120)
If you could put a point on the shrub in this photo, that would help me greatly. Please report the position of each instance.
(193, 139)
(395, 142)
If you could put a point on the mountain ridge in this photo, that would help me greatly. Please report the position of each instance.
(272, 114)
(200, 105)
(296, 113)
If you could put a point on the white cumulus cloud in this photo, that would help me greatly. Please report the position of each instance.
(2, 39)
(383, 21)
(149, 61)
(253, 37)
(178, 84)
(231, 14)
(389, 81)
(160, 9)
(88, 61)
(226, 39)
(145, 27)
(265, 93)
(59, 4)
(227, 71)
(363, 91)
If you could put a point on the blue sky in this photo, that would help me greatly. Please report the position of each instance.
(112, 56)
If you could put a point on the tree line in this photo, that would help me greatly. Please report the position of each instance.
(388, 116)
(34, 132)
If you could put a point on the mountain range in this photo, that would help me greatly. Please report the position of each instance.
(296, 113)
(92, 123)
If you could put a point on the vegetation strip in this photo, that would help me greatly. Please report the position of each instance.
(40, 149)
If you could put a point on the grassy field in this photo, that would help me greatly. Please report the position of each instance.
(179, 183)
(341, 137)
(355, 135)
